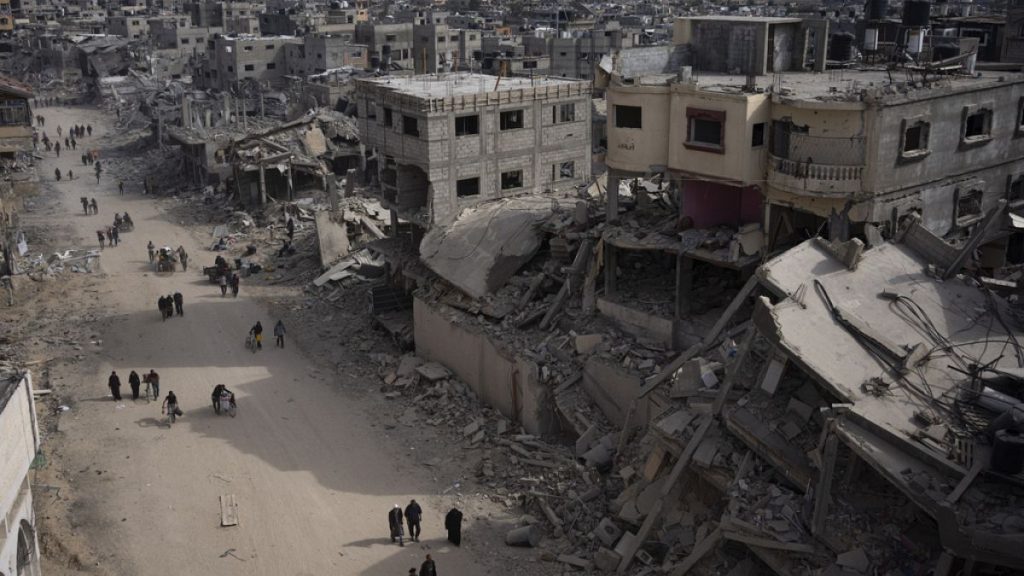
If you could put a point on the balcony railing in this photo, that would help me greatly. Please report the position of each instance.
(813, 179)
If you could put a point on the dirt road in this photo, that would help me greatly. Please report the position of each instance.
(313, 477)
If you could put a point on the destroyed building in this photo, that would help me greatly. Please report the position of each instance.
(19, 443)
(234, 59)
(443, 143)
(751, 162)
(15, 118)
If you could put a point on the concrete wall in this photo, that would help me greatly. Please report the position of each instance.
(613, 389)
(507, 383)
(19, 441)
(638, 149)
(637, 322)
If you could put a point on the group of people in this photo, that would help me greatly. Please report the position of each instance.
(413, 515)
(152, 379)
(229, 279)
(90, 207)
(169, 305)
(111, 235)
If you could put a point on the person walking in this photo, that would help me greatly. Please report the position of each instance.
(71, 174)
(60, 131)
(152, 251)
(179, 303)
(56, 174)
(120, 187)
(279, 336)
(117, 235)
(170, 406)
(99, 235)
(74, 144)
(88, 128)
(234, 284)
(291, 228)
(95, 207)
(153, 379)
(135, 383)
(56, 148)
(257, 333)
(413, 514)
(428, 568)
(223, 281)
(395, 524)
(85, 160)
(110, 236)
(183, 256)
(115, 385)
(85, 205)
(67, 144)
(162, 305)
(453, 524)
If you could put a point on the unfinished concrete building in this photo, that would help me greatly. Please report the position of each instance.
(444, 143)
(233, 59)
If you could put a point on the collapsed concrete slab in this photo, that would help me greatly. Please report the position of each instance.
(487, 244)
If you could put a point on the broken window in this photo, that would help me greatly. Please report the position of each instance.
(977, 124)
(269, 47)
(371, 111)
(705, 129)
(563, 113)
(13, 112)
(390, 38)
(410, 126)
(628, 116)
(528, 64)
(563, 171)
(968, 207)
(247, 48)
(1015, 193)
(249, 67)
(389, 119)
(512, 180)
(466, 125)
(467, 187)
(271, 65)
(511, 120)
(757, 137)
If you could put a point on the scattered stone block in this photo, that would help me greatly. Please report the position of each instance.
(586, 343)
(433, 371)
(607, 532)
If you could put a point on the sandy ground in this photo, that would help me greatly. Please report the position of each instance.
(313, 472)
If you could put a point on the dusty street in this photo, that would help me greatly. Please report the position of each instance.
(313, 476)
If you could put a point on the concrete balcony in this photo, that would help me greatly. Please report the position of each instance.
(813, 179)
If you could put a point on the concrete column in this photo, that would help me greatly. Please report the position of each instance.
(684, 284)
(610, 264)
(612, 194)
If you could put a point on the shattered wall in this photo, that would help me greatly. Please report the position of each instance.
(510, 385)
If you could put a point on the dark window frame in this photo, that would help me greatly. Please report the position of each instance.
(467, 187)
(971, 134)
(695, 115)
(512, 119)
(630, 117)
(410, 126)
(923, 137)
(758, 134)
(512, 180)
(467, 125)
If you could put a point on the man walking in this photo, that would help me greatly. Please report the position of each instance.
(234, 284)
(395, 524)
(279, 336)
(179, 302)
(257, 334)
(99, 235)
(453, 524)
(115, 386)
(162, 305)
(223, 281)
(120, 187)
(116, 234)
(94, 206)
(428, 568)
(153, 379)
(413, 514)
(291, 228)
(85, 205)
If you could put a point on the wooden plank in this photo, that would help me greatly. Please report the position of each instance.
(653, 382)
(699, 551)
(730, 311)
(823, 489)
(979, 233)
(228, 510)
(767, 542)
(667, 487)
(966, 482)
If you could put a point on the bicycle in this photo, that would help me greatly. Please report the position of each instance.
(172, 413)
(250, 342)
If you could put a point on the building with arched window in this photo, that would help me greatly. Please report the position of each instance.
(19, 442)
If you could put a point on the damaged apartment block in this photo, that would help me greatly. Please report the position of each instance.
(440, 144)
